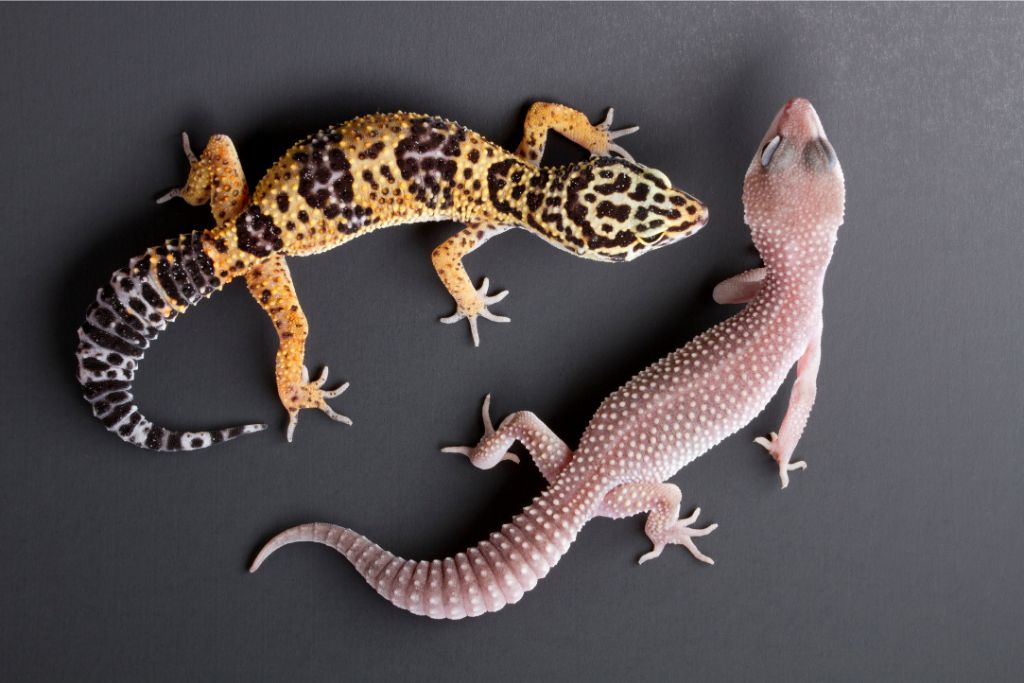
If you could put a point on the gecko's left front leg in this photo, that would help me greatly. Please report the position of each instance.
(470, 302)
(271, 284)
(782, 444)
(739, 289)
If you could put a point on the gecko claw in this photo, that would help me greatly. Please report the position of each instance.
(188, 148)
(771, 444)
(605, 127)
(169, 195)
(612, 147)
(311, 394)
(485, 414)
(681, 533)
(176, 192)
(483, 300)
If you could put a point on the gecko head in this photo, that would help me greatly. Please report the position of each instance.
(794, 193)
(625, 209)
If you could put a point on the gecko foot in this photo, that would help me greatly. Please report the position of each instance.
(605, 127)
(479, 452)
(176, 192)
(681, 533)
(311, 394)
(483, 300)
(771, 444)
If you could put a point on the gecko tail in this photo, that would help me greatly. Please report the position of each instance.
(129, 312)
(484, 578)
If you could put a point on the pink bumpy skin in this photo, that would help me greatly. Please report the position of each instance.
(663, 418)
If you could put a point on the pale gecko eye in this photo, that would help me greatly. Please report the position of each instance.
(829, 152)
(769, 150)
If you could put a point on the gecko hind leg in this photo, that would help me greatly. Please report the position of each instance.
(661, 503)
(572, 124)
(549, 453)
(271, 285)
(315, 396)
(216, 177)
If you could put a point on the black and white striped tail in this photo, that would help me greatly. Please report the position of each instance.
(485, 578)
(128, 314)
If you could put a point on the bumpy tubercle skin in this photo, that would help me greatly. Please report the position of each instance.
(369, 173)
(664, 417)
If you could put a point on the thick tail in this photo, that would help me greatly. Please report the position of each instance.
(128, 314)
(485, 578)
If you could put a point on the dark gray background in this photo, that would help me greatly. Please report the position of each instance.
(896, 555)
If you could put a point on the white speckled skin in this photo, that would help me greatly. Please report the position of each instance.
(663, 418)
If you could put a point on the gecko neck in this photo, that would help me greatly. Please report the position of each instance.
(800, 261)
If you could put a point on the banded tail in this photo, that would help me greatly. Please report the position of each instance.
(129, 312)
(485, 578)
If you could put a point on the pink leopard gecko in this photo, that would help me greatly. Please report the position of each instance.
(664, 417)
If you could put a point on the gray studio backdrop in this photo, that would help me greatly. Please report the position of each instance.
(895, 556)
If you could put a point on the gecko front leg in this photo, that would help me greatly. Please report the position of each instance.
(271, 284)
(572, 124)
(739, 289)
(782, 444)
(549, 453)
(470, 303)
(661, 503)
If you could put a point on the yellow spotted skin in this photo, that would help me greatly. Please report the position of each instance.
(390, 169)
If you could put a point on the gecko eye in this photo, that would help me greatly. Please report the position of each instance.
(819, 155)
(769, 150)
(829, 152)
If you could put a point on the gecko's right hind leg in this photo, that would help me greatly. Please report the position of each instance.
(270, 283)
(216, 177)
(661, 503)
(549, 452)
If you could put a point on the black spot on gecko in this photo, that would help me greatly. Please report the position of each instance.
(497, 179)
(574, 209)
(257, 233)
(427, 158)
(640, 193)
(621, 184)
(618, 212)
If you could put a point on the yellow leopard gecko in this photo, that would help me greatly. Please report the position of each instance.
(348, 180)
